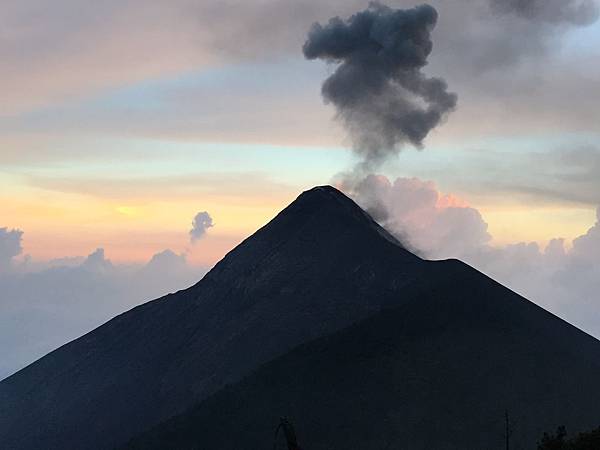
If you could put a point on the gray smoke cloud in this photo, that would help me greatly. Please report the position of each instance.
(201, 223)
(379, 90)
(571, 12)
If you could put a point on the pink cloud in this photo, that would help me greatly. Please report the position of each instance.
(436, 224)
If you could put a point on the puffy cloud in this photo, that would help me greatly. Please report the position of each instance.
(587, 247)
(10, 246)
(435, 225)
(166, 260)
(42, 308)
(97, 262)
(200, 225)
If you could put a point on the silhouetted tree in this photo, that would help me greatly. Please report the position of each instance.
(587, 441)
(583, 441)
(554, 441)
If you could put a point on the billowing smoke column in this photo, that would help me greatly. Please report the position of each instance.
(378, 88)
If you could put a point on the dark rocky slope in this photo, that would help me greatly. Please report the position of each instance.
(437, 372)
(319, 266)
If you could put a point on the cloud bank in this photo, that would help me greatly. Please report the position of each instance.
(45, 305)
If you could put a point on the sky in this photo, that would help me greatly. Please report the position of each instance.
(142, 140)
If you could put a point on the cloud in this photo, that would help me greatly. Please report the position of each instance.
(572, 12)
(378, 88)
(438, 226)
(200, 225)
(433, 224)
(68, 50)
(166, 260)
(43, 306)
(97, 262)
(64, 51)
(567, 174)
(587, 247)
(10, 246)
(484, 37)
(218, 185)
(561, 280)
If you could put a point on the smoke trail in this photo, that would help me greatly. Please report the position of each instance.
(200, 225)
(379, 90)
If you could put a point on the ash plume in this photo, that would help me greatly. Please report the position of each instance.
(200, 225)
(378, 89)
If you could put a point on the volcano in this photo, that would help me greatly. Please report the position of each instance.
(323, 316)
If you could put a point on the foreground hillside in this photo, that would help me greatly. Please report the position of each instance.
(438, 372)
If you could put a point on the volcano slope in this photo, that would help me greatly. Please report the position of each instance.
(393, 349)
(318, 266)
(437, 372)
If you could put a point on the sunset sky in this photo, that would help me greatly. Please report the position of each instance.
(120, 121)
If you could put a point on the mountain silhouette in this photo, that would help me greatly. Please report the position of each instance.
(323, 316)
(317, 267)
(438, 372)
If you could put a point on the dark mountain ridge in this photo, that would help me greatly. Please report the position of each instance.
(437, 372)
(320, 265)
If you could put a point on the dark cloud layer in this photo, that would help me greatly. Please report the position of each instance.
(554, 176)
(572, 12)
(491, 52)
(378, 88)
